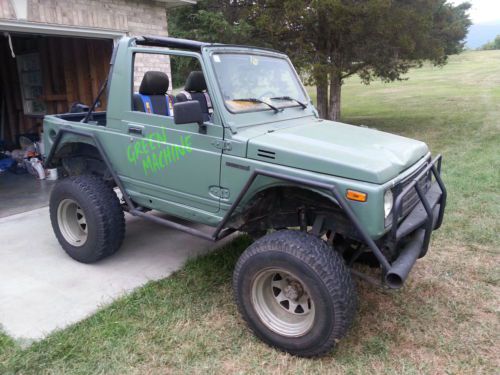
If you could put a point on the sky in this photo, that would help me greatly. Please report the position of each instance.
(483, 11)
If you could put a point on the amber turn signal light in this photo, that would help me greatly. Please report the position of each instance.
(356, 195)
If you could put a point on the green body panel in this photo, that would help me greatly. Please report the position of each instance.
(51, 126)
(339, 149)
(176, 169)
(159, 165)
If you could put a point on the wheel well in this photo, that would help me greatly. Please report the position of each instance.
(77, 158)
(292, 206)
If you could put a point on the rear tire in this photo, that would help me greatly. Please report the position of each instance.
(87, 218)
(295, 293)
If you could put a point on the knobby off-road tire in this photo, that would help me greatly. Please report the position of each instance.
(87, 218)
(295, 293)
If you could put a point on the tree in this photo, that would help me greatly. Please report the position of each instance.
(331, 40)
(221, 21)
(494, 44)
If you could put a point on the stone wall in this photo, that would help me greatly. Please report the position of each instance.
(144, 62)
(6, 10)
(133, 16)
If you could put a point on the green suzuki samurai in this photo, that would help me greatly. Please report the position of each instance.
(241, 148)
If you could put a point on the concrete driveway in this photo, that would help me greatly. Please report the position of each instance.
(42, 289)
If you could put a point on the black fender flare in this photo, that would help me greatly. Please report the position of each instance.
(102, 153)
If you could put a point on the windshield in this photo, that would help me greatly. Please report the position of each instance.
(252, 82)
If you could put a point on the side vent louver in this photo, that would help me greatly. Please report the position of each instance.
(266, 154)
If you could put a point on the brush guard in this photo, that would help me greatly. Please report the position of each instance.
(413, 232)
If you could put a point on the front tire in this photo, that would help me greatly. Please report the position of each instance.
(87, 218)
(295, 293)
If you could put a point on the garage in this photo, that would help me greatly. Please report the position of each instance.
(54, 57)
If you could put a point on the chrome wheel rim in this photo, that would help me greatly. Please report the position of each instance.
(72, 222)
(282, 302)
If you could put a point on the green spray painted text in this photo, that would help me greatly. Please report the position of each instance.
(155, 154)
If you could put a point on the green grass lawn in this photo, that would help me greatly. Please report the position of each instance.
(445, 319)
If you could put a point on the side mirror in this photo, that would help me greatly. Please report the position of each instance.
(189, 112)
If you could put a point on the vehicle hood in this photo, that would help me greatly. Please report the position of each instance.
(338, 149)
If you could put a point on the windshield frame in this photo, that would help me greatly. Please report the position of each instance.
(256, 52)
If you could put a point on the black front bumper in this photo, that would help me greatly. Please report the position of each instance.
(410, 235)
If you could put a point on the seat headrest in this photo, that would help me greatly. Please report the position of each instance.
(195, 82)
(154, 83)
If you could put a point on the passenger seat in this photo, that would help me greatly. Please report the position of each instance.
(196, 89)
(152, 96)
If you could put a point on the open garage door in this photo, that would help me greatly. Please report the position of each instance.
(43, 74)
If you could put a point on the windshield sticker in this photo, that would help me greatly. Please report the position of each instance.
(254, 60)
(154, 154)
(217, 58)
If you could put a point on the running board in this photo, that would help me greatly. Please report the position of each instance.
(184, 228)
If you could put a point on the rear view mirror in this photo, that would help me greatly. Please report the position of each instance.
(189, 112)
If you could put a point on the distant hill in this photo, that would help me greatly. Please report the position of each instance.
(482, 33)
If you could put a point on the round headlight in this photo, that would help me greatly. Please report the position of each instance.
(388, 202)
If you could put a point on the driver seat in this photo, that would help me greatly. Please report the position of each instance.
(196, 89)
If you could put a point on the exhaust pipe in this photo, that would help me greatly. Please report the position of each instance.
(401, 267)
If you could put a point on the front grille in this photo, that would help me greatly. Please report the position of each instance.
(411, 199)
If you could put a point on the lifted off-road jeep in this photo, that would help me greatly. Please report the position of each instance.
(241, 148)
